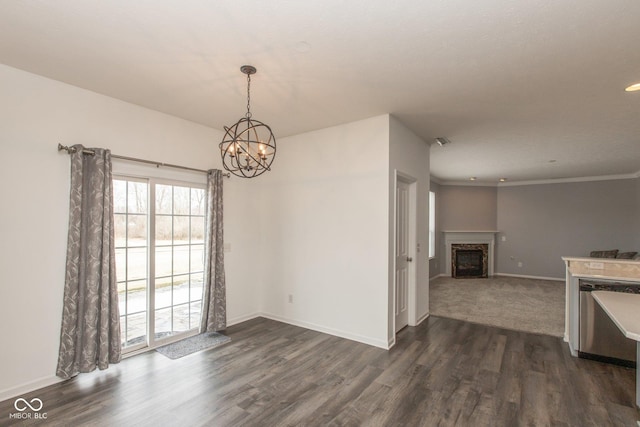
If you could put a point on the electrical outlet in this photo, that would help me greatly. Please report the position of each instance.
(290, 299)
(504, 238)
(519, 263)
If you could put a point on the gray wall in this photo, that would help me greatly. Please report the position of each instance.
(468, 207)
(542, 223)
(461, 208)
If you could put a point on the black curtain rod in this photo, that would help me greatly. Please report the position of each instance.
(133, 159)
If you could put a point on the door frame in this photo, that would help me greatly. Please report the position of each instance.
(411, 297)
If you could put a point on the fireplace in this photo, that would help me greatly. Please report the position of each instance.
(483, 240)
(469, 260)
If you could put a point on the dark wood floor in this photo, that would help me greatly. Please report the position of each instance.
(444, 372)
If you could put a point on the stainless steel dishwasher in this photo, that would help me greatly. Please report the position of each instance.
(600, 338)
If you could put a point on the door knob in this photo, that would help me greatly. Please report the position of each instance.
(409, 259)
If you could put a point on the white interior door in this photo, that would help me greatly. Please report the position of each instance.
(403, 255)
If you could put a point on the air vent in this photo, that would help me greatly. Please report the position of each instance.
(441, 140)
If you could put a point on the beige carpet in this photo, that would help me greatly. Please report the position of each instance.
(528, 305)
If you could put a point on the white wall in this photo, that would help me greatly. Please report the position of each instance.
(324, 231)
(316, 227)
(36, 114)
(409, 156)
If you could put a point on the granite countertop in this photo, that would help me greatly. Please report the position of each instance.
(623, 309)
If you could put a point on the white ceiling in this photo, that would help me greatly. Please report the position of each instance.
(513, 84)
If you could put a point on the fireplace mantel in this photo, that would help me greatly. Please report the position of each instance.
(487, 237)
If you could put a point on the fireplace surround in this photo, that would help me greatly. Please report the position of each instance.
(471, 239)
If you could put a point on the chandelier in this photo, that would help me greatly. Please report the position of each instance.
(248, 147)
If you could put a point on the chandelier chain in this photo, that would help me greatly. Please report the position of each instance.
(248, 115)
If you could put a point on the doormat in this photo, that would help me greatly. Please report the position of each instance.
(193, 344)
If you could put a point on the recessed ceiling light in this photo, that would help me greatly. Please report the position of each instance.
(502, 179)
(473, 178)
(633, 87)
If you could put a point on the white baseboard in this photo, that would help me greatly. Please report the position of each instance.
(523, 276)
(335, 332)
(28, 387)
(244, 318)
(422, 319)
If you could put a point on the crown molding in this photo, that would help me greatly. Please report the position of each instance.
(569, 180)
(435, 179)
(471, 183)
(439, 181)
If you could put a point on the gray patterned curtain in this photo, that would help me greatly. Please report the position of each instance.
(214, 300)
(90, 332)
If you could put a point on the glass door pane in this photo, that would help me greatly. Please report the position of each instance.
(179, 259)
(131, 216)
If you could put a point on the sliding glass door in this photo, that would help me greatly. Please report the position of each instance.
(159, 259)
